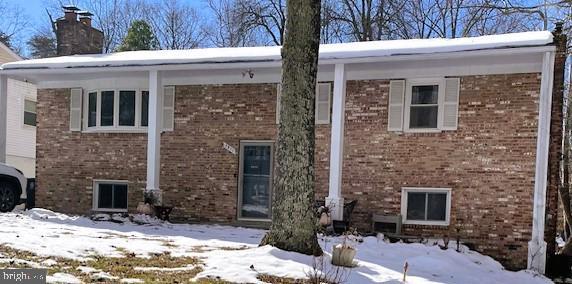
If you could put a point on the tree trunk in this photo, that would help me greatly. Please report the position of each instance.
(294, 223)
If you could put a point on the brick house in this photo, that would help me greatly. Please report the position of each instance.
(458, 136)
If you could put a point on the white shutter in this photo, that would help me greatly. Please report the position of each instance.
(168, 108)
(75, 109)
(451, 104)
(323, 95)
(278, 96)
(395, 107)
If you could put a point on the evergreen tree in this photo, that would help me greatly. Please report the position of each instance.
(5, 39)
(139, 37)
(42, 46)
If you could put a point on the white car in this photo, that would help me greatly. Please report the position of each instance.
(13, 185)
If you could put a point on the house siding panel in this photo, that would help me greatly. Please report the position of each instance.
(488, 162)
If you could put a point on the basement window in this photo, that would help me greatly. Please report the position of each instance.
(426, 206)
(110, 196)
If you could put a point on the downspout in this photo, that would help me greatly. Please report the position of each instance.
(537, 244)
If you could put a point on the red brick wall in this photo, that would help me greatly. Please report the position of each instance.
(68, 162)
(198, 176)
(488, 162)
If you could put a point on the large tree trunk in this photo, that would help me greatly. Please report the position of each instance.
(294, 224)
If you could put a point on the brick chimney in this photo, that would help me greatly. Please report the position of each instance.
(77, 36)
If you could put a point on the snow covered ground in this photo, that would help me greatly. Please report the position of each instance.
(233, 253)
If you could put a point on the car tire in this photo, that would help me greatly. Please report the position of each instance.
(8, 197)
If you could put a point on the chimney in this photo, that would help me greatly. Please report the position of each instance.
(75, 36)
(85, 17)
(70, 13)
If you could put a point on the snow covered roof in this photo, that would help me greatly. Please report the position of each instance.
(339, 51)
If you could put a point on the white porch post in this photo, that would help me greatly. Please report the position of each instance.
(537, 245)
(335, 200)
(154, 137)
(3, 116)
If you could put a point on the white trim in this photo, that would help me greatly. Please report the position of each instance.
(537, 245)
(405, 190)
(409, 84)
(277, 63)
(154, 135)
(3, 116)
(95, 195)
(337, 144)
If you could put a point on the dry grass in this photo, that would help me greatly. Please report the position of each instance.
(282, 280)
(121, 267)
(124, 267)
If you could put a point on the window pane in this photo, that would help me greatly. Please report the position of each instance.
(29, 106)
(416, 206)
(255, 196)
(323, 111)
(127, 108)
(437, 206)
(423, 117)
(105, 196)
(29, 118)
(424, 94)
(107, 108)
(120, 196)
(145, 108)
(92, 113)
(257, 160)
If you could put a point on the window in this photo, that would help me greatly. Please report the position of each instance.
(428, 206)
(92, 112)
(110, 196)
(127, 108)
(323, 99)
(107, 109)
(117, 109)
(145, 108)
(29, 112)
(423, 105)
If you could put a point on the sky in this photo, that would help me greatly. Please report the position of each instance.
(35, 10)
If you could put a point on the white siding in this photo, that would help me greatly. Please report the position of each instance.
(21, 140)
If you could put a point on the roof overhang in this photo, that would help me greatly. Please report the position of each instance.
(516, 46)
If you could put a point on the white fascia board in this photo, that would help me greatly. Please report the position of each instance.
(277, 63)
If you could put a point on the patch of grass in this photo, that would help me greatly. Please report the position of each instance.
(122, 267)
(282, 280)
(169, 244)
(233, 248)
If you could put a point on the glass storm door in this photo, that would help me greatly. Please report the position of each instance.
(255, 181)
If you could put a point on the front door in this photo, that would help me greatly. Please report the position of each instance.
(255, 180)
